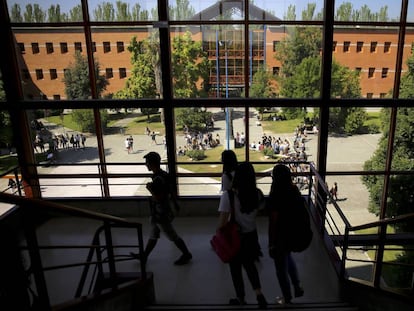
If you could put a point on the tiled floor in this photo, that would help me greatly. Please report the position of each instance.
(205, 280)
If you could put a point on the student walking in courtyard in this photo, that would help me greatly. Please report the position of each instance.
(161, 201)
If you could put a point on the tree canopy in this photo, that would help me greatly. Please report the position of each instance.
(77, 86)
(76, 79)
(400, 195)
(189, 68)
(299, 54)
(105, 11)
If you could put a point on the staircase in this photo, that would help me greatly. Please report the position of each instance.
(323, 306)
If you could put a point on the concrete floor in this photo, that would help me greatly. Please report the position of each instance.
(205, 280)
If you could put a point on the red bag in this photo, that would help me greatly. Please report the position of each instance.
(226, 241)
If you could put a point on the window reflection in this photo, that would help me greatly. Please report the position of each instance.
(354, 10)
(36, 11)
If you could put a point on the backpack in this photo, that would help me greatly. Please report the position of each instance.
(300, 232)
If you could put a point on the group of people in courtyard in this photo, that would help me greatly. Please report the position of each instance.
(295, 150)
(240, 190)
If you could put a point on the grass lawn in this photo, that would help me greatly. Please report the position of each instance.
(390, 272)
(67, 122)
(7, 162)
(214, 155)
(139, 123)
(388, 255)
(136, 126)
(373, 119)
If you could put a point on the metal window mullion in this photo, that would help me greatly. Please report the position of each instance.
(167, 97)
(94, 91)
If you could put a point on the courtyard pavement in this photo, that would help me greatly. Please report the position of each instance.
(344, 153)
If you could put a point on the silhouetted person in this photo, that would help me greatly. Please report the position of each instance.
(162, 197)
(283, 194)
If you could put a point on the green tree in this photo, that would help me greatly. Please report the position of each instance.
(196, 119)
(77, 86)
(309, 13)
(86, 120)
(189, 66)
(6, 134)
(263, 86)
(290, 13)
(54, 15)
(344, 12)
(16, 14)
(75, 14)
(401, 187)
(122, 11)
(142, 82)
(34, 14)
(138, 14)
(77, 82)
(300, 77)
(149, 111)
(104, 12)
(182, 11)
(400, 199)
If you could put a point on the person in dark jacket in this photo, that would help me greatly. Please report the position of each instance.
(283, 194)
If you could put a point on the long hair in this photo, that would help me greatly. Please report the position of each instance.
(244, 182)
(229, 160)
(282, 184)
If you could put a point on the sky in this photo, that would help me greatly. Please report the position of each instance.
(278, 7)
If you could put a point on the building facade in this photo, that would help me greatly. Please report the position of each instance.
(46, 53)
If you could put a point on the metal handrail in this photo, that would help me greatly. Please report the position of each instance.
(29, 206)
(319, 196)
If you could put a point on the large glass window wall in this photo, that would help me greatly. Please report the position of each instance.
(211, 71)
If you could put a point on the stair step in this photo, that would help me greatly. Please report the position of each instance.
(324, 306)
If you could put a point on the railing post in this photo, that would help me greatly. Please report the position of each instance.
(110, 251)
(379, 255)
(143, 263)
(35, 259)
(344, 253)
(19, 186)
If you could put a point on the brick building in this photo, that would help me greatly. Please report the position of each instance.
(47, 52)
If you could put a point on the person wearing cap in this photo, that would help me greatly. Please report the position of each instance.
(162, 196)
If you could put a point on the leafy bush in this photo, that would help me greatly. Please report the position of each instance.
(196, 154)
(373, 129)
(268, 152)
(354, 121)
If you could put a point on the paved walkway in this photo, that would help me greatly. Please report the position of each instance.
(344, 153)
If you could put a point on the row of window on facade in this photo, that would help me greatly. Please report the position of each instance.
(109, 73)
(57, 96)
(64, 47)
(359, 46)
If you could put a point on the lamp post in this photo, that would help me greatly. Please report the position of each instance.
(226, 44)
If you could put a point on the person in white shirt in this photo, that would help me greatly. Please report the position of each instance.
(245, 197)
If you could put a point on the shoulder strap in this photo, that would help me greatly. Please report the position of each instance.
(231, 198)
